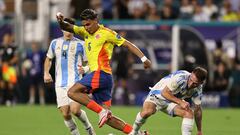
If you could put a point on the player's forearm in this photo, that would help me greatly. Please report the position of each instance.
(66, 26)
(198, 117)
(133, 48)
(47, 65)
(169, 96)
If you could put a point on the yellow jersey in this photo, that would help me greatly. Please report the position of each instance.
(99, 47)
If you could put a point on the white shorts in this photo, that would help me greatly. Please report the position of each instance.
(61, 95)
(161, 103)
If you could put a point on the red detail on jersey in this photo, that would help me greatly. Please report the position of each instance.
(103, 61)
(95, 80)
(97, 36)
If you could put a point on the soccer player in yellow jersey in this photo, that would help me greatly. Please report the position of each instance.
(99, 44)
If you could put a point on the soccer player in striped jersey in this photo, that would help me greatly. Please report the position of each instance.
(168, 96)
(99, 44)
(70, 56)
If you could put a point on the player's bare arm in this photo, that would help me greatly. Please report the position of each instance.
(198, 118)
(135, 50)
(63, 24)
(47, 65)
(166, 93)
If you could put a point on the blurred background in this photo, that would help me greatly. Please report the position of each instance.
(174, 34)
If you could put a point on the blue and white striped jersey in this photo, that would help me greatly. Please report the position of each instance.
(69, 54)
(177, 83)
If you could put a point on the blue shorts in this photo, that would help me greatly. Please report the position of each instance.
(99, 83)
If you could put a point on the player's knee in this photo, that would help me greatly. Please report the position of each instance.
(188, 114)
(66, 115)
(70, 93)
(147, 113)
(75, 111)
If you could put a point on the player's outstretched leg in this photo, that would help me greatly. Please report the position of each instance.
(148, 109)
(71, 124)
(82, 116)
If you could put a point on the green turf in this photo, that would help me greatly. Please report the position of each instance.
(46, 120)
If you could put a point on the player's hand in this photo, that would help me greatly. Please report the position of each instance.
(199, 133)
(185, 105)
(147, 64)
(47, 78)
(81, 69)
(59, 17)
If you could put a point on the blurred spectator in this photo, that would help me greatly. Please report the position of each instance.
(235, 5)
(209, 8)
(122, 9)
(221, 77)
(186, 10)
(152, 13)
(97, 6)
(228, 15)
(2, 9)
(199, 15)
(219, 55)
(107, 9)
(136, 9)
(167, 13)
(77, 6)
(169, 10)
(36, 58)
(9, 60)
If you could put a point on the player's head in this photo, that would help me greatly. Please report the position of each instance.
(65, 33)
(197, 77)
(89, 19)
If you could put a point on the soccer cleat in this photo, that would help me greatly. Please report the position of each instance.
(103, 117)
(90, 131)
(144, 132)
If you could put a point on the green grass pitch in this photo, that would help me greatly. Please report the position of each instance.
(46, 120)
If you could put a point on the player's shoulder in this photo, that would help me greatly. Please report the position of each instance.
(78, 41)
(107, 30)
(181, 73)
(180, 76)
(56, 39)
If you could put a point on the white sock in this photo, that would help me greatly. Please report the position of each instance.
(138, 122)
(31, 100)
(187, 126)
(72, 127)
(42, 100)
(84, 119)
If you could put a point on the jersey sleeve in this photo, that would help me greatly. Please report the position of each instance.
(175, 82)
(115, 38)
(51, 52)
(197, 96)
(79, 31)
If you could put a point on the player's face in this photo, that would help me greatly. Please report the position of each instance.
(193, 82)
(90, 25)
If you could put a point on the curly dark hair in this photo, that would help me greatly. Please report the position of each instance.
(88, 14)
